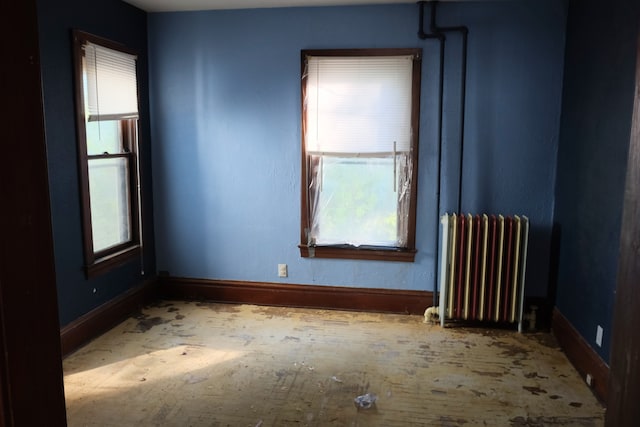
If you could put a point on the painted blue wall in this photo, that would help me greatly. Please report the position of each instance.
(225, 106)
(592, 158)
(123, 23)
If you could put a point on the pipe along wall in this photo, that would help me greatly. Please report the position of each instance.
(438, 33)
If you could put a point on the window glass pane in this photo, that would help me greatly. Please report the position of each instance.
(110, 207)
(357, 203)
(104, 137)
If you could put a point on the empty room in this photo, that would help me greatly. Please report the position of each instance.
(320, 212)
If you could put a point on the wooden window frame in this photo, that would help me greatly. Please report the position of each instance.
(374, 253)
(100, 262)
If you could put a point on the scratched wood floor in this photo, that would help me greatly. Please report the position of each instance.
(204, 364)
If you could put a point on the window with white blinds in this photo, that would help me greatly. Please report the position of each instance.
(359, 132)
(107, 123)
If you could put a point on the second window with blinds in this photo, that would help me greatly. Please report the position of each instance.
(360, 115)
(107, 122)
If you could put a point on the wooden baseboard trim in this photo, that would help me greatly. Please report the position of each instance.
(582, 356)
(101, 319)
(311, 296)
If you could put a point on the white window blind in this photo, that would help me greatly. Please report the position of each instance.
(358, 106)
(110, 83)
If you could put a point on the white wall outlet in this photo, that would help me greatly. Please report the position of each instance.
(282, 270)
(589, 380)
(599, 332)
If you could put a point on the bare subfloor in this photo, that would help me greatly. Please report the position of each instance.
(204, 364)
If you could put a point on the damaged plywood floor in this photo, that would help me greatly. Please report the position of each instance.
(206, 364)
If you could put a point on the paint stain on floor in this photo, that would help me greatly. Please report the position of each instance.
(146, 322)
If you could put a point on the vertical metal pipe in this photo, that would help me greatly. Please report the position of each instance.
(421, 33)
(438, 33)
(439, 167)
(464, 31)
(463, 103)
(441, 39)
(432, 18)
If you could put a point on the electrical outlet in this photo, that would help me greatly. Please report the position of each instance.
(282, 270)
(599, 332)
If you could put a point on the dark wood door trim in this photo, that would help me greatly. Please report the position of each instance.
(31, 382)
(624, 380)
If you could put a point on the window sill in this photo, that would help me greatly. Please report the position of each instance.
(108, 263)
(398, 255)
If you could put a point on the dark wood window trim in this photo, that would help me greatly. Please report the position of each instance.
(109, 262)
(351, 252)
(97, 263)
(345, 252)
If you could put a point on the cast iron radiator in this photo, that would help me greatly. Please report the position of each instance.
(483, 263)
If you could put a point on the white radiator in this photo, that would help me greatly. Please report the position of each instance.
(483, 264)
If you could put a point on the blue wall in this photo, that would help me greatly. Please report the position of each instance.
(120, 22)
(225, 105)
(225, 87)
(592, 158)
